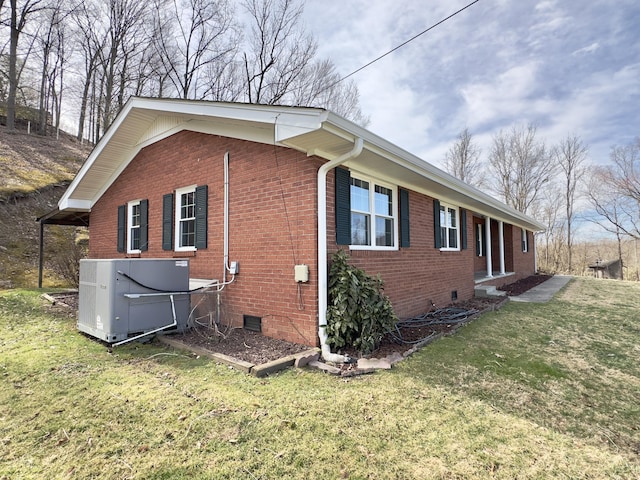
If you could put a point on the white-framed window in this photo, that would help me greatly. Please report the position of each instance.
(449, 227)
(185, 223)
(133, 226)
(525, 241)
(374, 215)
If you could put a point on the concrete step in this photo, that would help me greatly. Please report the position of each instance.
(484, 291)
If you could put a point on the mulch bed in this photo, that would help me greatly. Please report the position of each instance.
(258, 349)
(516, 288)
(252, 347)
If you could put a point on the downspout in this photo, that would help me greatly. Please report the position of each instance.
(226, 218)
(226, 238)
(322, 249)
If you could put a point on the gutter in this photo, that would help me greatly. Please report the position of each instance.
(322, 249)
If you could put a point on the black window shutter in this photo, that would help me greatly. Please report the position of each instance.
(463, 229)
(436, 223)
(167, 221)
(343, 206)
(404, 218)
(202, 194)
(144, 225)
(122, 223)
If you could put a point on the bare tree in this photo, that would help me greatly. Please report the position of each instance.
(626, 177)
(19, 17)
(90, 44)
(191, 36)
(463, 160)
(614, 191)
(570, 155)
(608, 205)
(127, 20)
(51, 40)
(547, 211)
(278, 50)
(319, 85)
(521, 165)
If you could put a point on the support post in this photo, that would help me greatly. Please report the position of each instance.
(501, 239)
(41, 255)
(487, 223)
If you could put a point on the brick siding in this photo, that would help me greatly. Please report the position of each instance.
(273, 227)
(272, 223)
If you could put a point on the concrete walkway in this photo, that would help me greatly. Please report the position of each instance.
(545, 291)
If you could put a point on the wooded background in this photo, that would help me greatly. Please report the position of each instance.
(79, 61)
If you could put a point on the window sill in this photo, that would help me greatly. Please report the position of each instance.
(373, 249)
(188, 253)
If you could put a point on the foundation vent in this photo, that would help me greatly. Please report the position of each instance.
(252, 323)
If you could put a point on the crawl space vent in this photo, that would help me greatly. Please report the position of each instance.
(252, 323)
(454, 295)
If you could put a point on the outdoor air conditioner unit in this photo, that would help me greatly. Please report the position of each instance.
(124, 298)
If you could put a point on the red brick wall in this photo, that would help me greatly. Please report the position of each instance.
(273, 226)
(272, 223)
(523, 262)
(417, 275)
(479, 263)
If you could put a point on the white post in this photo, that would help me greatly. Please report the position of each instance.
(535, 254)
(501, 238)
(487, 227)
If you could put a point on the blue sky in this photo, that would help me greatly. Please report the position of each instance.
(570, 67)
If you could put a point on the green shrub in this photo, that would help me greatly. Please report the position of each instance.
(358, 312)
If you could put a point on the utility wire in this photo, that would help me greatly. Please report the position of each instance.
(400, 46)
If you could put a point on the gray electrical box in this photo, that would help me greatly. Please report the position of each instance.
(109, 308)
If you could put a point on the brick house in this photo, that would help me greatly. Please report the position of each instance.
(277, 190)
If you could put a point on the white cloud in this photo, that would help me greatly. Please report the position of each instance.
(568, 70)
(588, 49)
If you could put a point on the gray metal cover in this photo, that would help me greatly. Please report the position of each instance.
(104, 311)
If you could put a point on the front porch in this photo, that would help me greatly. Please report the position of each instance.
(484, 276)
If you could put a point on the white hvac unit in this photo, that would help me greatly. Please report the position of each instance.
(121, 299)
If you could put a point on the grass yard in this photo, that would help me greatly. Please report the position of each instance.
(530, 391)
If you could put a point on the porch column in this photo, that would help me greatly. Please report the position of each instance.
(501, 238)
(535, 253)
(487, 227)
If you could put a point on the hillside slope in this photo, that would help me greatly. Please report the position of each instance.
(34, 172)
(31, 162)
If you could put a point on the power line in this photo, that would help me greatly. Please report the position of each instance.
(401, 45)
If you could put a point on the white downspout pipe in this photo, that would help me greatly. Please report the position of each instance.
(226, 218)
(322, 250)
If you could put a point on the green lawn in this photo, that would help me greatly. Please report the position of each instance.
(530, 391)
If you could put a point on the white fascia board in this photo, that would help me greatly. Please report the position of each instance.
(75, 205)
(388, 150)
(267, 114)
(292, 125)
(95, 153)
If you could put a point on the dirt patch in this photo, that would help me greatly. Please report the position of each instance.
(412, 333)
(516, 288)
(252, 347)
